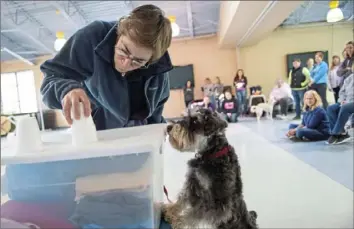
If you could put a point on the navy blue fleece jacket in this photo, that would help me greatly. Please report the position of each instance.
(86, 61)
(316, 119)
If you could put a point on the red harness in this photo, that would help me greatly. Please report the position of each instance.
(225, 150)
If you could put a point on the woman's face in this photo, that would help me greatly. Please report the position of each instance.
(336, 61)
(228, 95)
(239, 73)
(310, 62)
(207, 81)
(318, 59)
(189, 84)
(349, 49)
(129, 56)
(309, 100)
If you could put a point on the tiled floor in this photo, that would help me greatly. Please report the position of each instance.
(290, 186)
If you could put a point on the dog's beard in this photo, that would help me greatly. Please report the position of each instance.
(181, 139)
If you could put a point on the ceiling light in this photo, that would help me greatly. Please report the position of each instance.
(175, 27)
(59, 42)
(335, 14)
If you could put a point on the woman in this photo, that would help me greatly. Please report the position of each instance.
(229, 107)
(188, 93)
(218, 90)
(240, 82)
(340, 112)
(334, 81)
(208, 90)
(117, 70)
(346, 67)
(207, 104)
(315, 124)
(319, 77)
(281, 95)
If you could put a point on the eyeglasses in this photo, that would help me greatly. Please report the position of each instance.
(133, 61)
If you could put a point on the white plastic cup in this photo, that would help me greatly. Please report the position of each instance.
(83, 130)
(28, 136)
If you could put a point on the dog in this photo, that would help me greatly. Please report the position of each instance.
(213, 190)
(261, 107)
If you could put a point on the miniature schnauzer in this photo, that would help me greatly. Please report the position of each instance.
(212, 192)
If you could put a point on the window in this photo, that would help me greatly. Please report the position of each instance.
(18, 93)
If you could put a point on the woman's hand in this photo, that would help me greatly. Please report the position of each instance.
(72, 101)
(291, 132)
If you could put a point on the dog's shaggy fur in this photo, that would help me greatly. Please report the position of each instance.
(212, 192)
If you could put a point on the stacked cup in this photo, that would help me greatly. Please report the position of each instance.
(83, 130)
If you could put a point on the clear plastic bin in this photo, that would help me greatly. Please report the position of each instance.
(116, 182)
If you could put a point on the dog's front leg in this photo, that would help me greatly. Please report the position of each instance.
(172, 212)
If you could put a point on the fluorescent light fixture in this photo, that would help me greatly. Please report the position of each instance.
(175, 27)
(59, 42)
(334, 15)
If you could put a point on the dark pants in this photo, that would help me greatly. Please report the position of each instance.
(232, 118)
(309, 134)
(322, 91)
(284, 106)
(299, 100)
(187, 102)
(338, 115)
(336, 93)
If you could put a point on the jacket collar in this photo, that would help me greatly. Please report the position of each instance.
(106, 50)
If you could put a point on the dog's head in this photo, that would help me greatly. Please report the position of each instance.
(253, 109)
(201, 124)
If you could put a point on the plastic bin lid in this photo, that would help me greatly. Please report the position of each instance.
(57, 146)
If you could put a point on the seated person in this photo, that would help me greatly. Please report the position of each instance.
(207, 104)
(340, 112)
(229, 107)
(315, 124)
(281, 95)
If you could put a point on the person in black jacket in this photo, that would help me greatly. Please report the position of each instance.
(229, 108)
(116, 69)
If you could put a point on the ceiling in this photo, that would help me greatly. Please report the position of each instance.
(316, 11)
(28, 28)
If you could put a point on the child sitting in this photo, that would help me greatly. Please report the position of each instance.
(229, 107)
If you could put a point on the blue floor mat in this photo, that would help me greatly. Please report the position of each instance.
(335, 161)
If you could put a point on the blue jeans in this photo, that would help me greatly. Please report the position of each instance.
(299, 100)
(309, 134)
(338, 115)
(232, 118)
(241, 97)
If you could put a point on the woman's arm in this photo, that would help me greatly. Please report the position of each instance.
(322, 70)
(70, 67)
(246, 82)
(156, 116)
(307, 75)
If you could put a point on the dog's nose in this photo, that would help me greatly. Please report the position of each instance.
(169, 128)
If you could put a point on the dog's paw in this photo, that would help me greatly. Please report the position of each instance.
(177, 224)
(168, 212)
